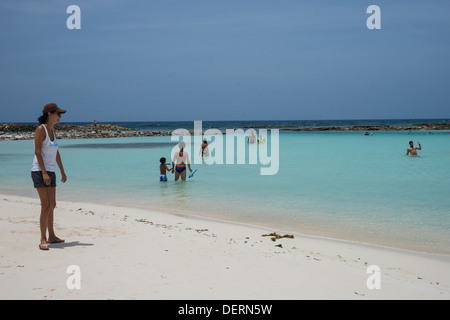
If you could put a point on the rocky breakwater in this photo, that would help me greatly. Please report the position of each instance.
(13, 131)
(417, 127)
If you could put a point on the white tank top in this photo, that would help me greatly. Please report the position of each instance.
(48, 152)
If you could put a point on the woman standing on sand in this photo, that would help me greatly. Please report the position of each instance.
(43, 170)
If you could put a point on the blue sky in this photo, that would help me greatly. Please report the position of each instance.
(224, 60)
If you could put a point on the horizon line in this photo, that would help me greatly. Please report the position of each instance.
(137, 121)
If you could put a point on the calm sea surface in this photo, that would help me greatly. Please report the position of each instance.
(344, 185)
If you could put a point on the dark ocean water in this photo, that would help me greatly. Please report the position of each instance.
(288, 124)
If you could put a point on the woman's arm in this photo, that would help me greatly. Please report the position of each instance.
(187, 161)
(61, 168)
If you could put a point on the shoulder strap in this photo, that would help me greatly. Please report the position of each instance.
(46, 132)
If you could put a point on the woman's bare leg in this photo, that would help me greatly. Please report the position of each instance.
(44, 196)
(46, 221)
(52, 201)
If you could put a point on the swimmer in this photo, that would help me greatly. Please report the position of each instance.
(163, 169)
(179, 162)
(204, 151)
(260, 139)
(412, 149)
(251, 138)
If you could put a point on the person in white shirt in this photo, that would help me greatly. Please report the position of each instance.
(179, 162)
(43, 170)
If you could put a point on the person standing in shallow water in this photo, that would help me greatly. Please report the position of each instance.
(179, 162)
(43, 170)
(204, 151)
(412, 149)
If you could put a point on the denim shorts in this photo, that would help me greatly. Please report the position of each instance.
(38, 179)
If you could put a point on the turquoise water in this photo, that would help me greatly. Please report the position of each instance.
(334, 184)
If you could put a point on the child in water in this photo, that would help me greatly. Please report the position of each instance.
(163, 168)
(261, 139)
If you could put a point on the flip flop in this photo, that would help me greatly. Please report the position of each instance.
(43, 246)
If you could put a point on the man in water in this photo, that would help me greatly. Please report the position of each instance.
(251, 138)
(412, 149)
(204, 152)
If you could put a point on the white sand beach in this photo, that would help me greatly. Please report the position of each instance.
(126, 253)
